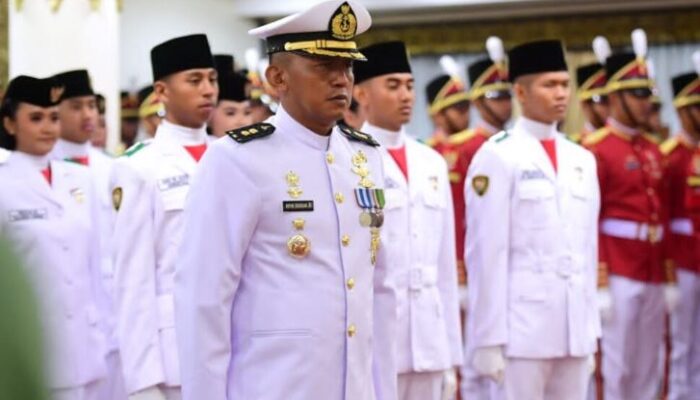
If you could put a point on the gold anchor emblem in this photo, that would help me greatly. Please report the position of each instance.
(343, 23)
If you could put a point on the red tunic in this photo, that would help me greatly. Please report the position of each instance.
(632, 188)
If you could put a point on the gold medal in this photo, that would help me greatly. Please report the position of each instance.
(298, 246)
(374, 244)
(365, 219)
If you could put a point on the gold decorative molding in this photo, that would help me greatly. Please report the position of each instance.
(95, 5)
(19, 5)
(55, 5)
(662, 27)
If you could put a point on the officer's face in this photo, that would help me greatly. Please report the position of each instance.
(544, 97)
(632, 108)
(189, 96)
(35, 129)
(388, 99)
(317, 89)
(230, 115)
(79, 118)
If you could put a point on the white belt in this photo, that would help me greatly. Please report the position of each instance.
(418, 278)
(634, 230)
(682, 226)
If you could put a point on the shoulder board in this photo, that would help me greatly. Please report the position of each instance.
(499, 137)
(357, 136)
(669, 145)
(461, 137)
(136, 147)
(596, 136)
(251, 132)
(651, 138)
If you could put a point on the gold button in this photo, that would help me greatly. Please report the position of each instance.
(351, 283)
(339, 198)
(330, 158)
(345, 240)
(352, 330)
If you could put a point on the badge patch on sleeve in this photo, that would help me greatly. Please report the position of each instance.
(117, 198)
(480, 184)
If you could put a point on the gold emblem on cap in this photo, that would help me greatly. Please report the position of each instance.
(343, 23)
(117, 198)
(56, 93)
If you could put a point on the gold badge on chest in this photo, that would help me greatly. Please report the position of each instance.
(371, 201)
(298, 245)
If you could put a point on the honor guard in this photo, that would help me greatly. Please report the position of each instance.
(683, 169)
(151, 113)
(282, 289)
(79, 118)
(149, 186)
(532, 207)
(50, 211)
(491, 95)
(654, 124)
(419, 234)
(593, 99)
(633, 275)
(233, 109)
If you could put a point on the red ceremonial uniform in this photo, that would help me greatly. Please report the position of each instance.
(632, 215)
(682, 163)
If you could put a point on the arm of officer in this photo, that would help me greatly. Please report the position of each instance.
(135, 279)
(487, 195)
(384, 369)
(447, 273)
(219, 220)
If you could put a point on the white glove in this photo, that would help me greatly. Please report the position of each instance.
(449, 384)
(463, 298)
(489, 361)
(672, 296)
(591, 364)
(605, 305)
(151, 393)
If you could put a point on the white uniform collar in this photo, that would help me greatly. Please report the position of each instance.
(286, 124)
(181, 134)
(619, 126)
(387, 138)
(537, 129)
(30, 161)
(65, 148)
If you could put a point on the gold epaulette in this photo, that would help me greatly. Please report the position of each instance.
(595, 137)
(461, 137)
(651, 138)
(669, 145)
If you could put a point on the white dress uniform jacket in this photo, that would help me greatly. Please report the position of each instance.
(54, 227)
(151, 183)
(256, 323)
(531, 245)
(420, 244)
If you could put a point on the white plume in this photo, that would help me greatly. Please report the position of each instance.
(262, 67)
(696, 61)
(651, 69)
(252, 57)
(601, 48)
(639, 42)
(494, 45)
(449, 65)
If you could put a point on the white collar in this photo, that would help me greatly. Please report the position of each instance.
(31, 161)
(181, 134)
(619, 126)
(387, 138)
(538, 130)
(287, 125)
(68, 149)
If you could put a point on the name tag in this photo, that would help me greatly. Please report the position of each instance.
(532, 174)
(173, 182)
(301, 205)
(24, 215)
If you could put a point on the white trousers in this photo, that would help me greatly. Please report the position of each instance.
(472, 386)
(631, 340)
(420, 385)
(684, 379)
(91, 391)
(547, 379)
(112, 387)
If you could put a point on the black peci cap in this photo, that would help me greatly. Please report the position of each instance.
(75, 84)
(382, 59)
(181, 54)
(536, 57)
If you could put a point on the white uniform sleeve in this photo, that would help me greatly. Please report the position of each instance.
(384, 328)
(592, 261)
(447, 275)
(487, 246)
(135, 281)
(220, 219)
